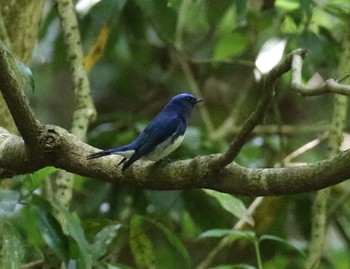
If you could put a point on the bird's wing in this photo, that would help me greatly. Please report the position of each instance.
(161, 128)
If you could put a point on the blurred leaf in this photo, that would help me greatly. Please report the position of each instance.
(106, 11)
(287, 5)
(340, 258)
(73, 228)
(230, 204)
(162, 17)
(341, 9)
(110, 266)
(30, 231)
(229, 45)
(216, 9)
(166, 233)
(12, 249)
(140, 244)
(44, 173)
(103, 239)
(280, 240)
(33, 181)
(236, 266)
(41, 202)
(172, 239)
(233, 235)
(228, 22)
(289, 26)
(219, 217)
(52, 233)
(194, 20)
(8, 202)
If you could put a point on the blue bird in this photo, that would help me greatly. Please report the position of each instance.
(161, 137)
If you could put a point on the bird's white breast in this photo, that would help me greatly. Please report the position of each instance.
(164, 149)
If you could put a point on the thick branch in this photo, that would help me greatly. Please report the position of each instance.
(68, 153)
(15, 99)
(59, 148)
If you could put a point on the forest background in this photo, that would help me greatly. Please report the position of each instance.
(103, 72)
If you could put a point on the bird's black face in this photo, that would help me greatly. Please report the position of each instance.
(192, 100)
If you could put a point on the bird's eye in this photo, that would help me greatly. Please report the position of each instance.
(188, 99)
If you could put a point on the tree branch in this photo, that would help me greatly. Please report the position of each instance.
(260, 112)
(15, 99)
(59, 148)
(330, 85)
(68, 153)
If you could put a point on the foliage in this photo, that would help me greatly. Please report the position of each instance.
(114, 226)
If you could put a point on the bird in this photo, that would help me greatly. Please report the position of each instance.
(161, 136)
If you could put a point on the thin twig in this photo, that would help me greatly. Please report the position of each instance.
(32, 264)
(310, 145)
(330, 85)
(260, 112)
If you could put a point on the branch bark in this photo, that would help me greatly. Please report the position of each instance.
(59, 148)
(65, 151)
(20, 109)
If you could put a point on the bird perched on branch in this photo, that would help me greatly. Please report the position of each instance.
(161, 137)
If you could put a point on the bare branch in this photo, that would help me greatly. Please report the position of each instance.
(260, 112)
(330, 86)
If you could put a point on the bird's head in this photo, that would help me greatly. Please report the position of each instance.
(185, 99)
(183, 103)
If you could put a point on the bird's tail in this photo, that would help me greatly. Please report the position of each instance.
(100, 154)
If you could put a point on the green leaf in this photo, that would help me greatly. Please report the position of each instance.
(52, 233)
(44, 173)
(41, 202)
(111, 266)
(172, 239)
(140, 244)
(231, 204)
(216, 10)
(228, 22)
(280, 240)
(8, 201)
(34, 181)
(229, 45)
(12, 249)
(233, 235)
(161, 15)
(103, 239)
(74, 229)
(236, 266)
(287, 5)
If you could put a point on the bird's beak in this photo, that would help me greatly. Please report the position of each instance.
(198, 101)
